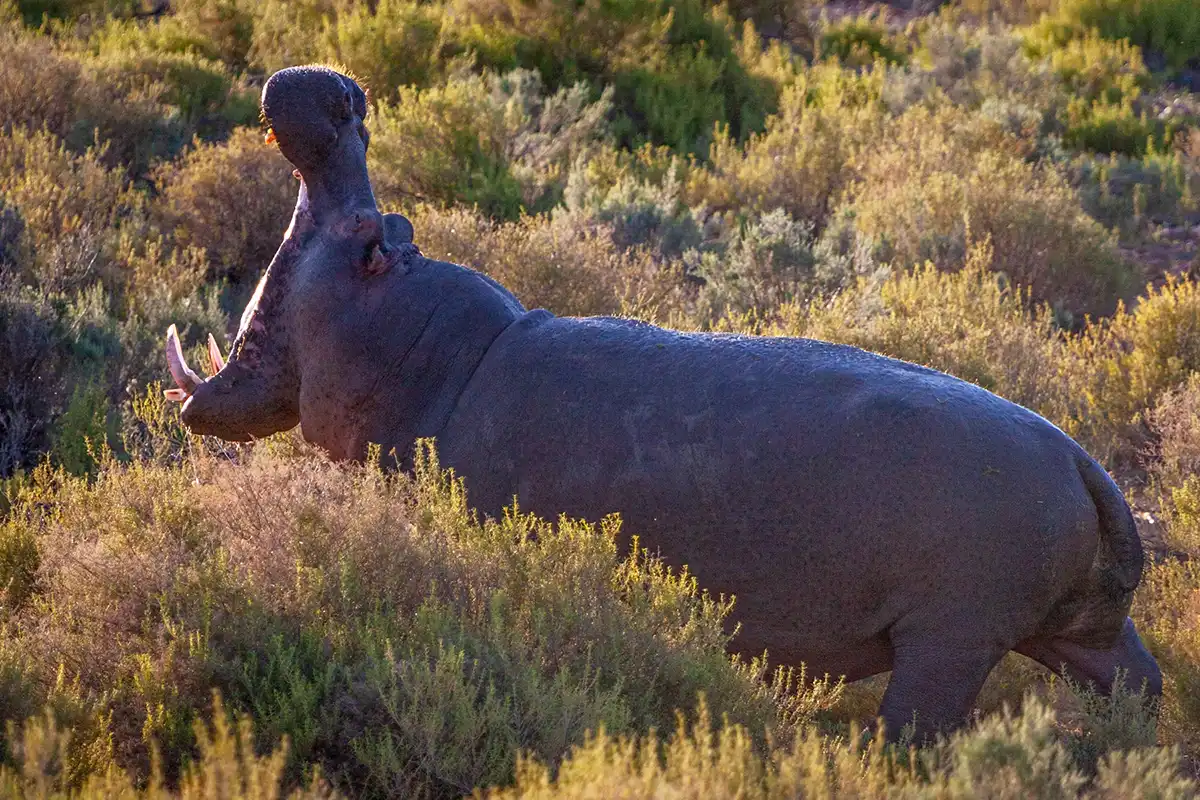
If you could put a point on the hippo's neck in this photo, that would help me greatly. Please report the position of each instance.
(452, 316)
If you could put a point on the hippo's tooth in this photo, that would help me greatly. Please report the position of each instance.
(216, 362)
(185, 379)
(177, 395)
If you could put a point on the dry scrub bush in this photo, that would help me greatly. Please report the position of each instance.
(406, 649)
(42, 88)
(69, 206)
(1175, 466)
(568, 268)
(975, 68)
(228, 767)
(1167, 613)
(1133, 359)
(763, 264)
(393, 640)
(968, 323)
(1006, 756)
(940, 179)
(233, 199)
(1175, 420)
(31, 376)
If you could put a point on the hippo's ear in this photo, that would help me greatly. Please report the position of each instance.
(397, 229)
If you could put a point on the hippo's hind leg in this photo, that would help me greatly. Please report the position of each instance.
(1086, 665)
(934, 684)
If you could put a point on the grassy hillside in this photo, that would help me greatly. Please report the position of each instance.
(1008, 191)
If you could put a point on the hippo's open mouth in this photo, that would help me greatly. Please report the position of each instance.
(315, 115)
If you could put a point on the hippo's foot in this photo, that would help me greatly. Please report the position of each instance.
(1086, 665)
(933, 686)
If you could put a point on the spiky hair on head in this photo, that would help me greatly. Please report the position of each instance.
(304, 106)
(334, 66)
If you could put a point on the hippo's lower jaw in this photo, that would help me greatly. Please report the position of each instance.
(217, 406)
(208, 412)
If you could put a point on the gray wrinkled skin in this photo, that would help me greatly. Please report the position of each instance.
(868, 514)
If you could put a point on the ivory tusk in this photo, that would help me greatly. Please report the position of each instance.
(185, 379)
(216, 361)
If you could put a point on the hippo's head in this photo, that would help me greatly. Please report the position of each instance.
(316, 116)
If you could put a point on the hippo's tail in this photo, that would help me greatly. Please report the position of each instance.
(1121, 557)
(1094, 612)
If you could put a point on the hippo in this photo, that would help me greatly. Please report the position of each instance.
(868, 514)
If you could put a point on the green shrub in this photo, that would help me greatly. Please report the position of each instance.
(81, 432)
(283, 34)
(1134, 194)
(495, 142)
(674, 65)
(1112, 128)
(802, 160)
(859, 41)
(1092, 67)
(392, 44)
(35, 11)
(228, 766)
(1169, 27)
(184, 75)
(442, 145)
(226, 25)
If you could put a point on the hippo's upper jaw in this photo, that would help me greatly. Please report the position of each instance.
(316, 115)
